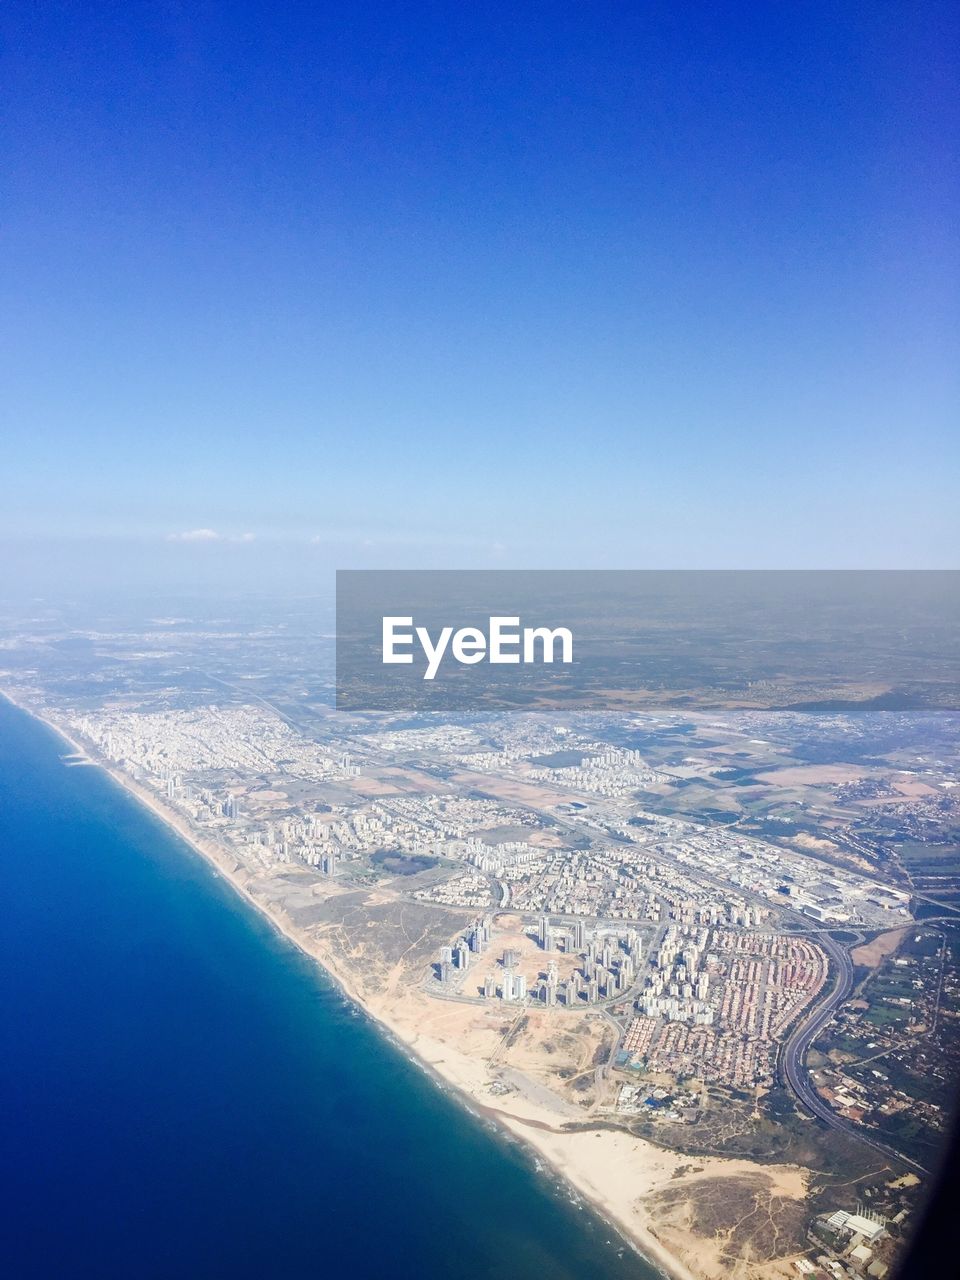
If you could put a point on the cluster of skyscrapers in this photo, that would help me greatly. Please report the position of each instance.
(456, 957)
(608, 963)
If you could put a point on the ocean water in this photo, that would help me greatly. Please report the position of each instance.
(185, 1095)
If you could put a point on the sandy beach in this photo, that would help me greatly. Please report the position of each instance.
(612, 1169)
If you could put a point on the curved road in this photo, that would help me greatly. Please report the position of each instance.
(793, 1056)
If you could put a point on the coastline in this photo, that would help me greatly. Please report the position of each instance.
(576, 1158)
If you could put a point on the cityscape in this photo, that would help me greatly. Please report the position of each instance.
(479, 667)
(726, 937)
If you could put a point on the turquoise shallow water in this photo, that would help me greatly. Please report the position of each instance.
(187, 1096)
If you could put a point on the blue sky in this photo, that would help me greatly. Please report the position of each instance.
(535, 285)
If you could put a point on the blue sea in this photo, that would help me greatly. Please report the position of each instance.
(186, 1095)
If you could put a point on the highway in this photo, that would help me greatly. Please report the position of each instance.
(793, 1057)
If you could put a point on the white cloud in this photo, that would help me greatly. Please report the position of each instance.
(208, 535)
(195, 535)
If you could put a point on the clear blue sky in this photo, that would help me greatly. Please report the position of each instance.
(527, 284)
